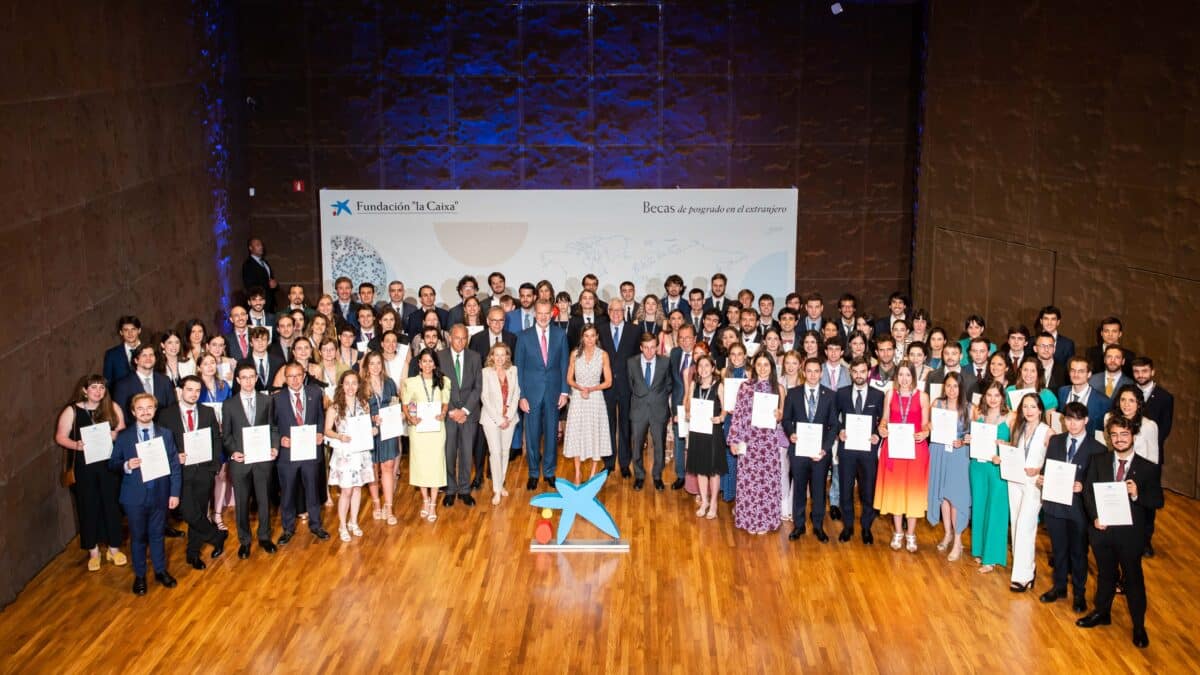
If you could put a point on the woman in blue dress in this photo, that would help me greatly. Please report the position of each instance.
(950, 471)
(381, 393)
(735, 367)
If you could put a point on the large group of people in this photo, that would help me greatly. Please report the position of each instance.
(786, 413)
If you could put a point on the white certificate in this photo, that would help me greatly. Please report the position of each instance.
(256, 443)
(1058, 482)
(945, 427)
(216, 408)
(808, 439)
(1056, 421)
(304, 442)
(362, 346)
(358, 428)
(1012, 463)
(1015, 396)
(702, 414)
(881, 386)
(762, 415)
(197, 445)
(983, 441)
(1100, 438)
(473, 330)
(751, 348)
(681, 424)
(1112, 504)
(935, 391)
(732, 385)
(153, 454)
(225, 371)
(901, 443)
(391, 422)
(427, 413)
(97, 442)
(976, 398)
(858, 433)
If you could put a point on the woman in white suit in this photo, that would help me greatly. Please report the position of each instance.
(1030, 435)
(499, 397)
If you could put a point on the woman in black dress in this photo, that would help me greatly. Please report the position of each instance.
(706, 452)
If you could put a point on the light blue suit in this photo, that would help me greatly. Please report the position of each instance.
(542, 382)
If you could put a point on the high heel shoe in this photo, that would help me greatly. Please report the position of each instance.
(1020, 588)
(355, 529)
(702, 510)
(219, 521)
(388, 515)
(944, 544)
(910, 543)
(712, 510)
(432, 517)
(343, 534)
(425, 508)
(955, 554)
(377, 513)
(897, 540)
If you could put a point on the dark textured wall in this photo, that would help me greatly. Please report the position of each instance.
(581, 95)
(105, 196)
(1059, 165)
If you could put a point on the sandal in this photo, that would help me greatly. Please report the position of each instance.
(343, 534)
(219, 522)
(986, 569)
(897, 540)
(355, 530)
(425, 508)
(955, 553)
(388, 515)
(712, 510)
(944, 543)
(94, 563)
(910, 543)
(377, 514)
(116, 557)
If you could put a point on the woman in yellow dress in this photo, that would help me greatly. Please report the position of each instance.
(427, 454)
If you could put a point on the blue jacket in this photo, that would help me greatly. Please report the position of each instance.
(133, 489)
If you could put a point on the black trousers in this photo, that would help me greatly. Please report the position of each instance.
(1068, 544)
(295, 477)
(862, 467)
(250, 479)
(808, 478)
(619, 430)
(96, 489)
(1112, 550)
(193, 506)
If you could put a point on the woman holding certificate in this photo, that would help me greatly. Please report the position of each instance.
(1028, 379)
(989, 492)
(758, 494)
(1030, 436)
(705, 441)
(949, 465)
(902, 486)
(213, 392)
(381, 393)
(1130, 405)
(426, 396)
(349, 468)
(735, 368)
(95, 486)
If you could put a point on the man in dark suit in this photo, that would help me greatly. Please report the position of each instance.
(297, 405)
(814, 308)
(468, 287)
(717, 300)
(181, 420)
(1080, 390)
(295, 294)
(897, 309)
(256, 304)
(766, 313)
(1052, 374)
(673, 300)
(396, 301)
(256, 273)
(749, 332)
(1159, 405)
(498, 286)
(649, 379)
(629, 300)
(1068, 524)
(522, 317)
(1111, 331)
(810, 403)
(367, 337)
(248, 408)
(146, 502)
(345, 307)
(619, 340)
(591, 283)
(1121, 546)
(952, 363)
(681, 363)
(858, 399)
(481, 343)
(1048, 320)
(143, 379)
(694, 313)
(1018, 349)
(846, 321)
(266, 365)
(588, 313)
(541, 360)
(416, 320)
(283, 338)
(237, 342)
(465, 370)
(118, 361)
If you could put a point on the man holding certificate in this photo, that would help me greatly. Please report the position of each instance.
(147, 457)
(1120, 487)
(810, 421)
(859, 408)
(197, 438)
(300, 420)
(251, 443)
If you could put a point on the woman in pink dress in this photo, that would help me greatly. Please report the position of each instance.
(902, 488)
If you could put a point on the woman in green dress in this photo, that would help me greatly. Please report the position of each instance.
(989, 492)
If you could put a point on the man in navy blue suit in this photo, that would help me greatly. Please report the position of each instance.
(298, 405)
(345, 306)
(143, 379)
(237, 343)
(1081, 391)
(541, 361)
(858, 398)
(522, 317)
(619, 339)
(897, 309)
(118, 361)
(717, 299)
(681, 362)
(146, 502)
(810, 403)
(1160, 407)
(1048, 319)
(428, 298)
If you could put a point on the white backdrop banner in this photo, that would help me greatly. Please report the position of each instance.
(436, 236)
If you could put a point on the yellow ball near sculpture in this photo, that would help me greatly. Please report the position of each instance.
(546, 513)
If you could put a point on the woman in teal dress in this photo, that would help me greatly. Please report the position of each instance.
(989, 492)
(973, 326)
(381, 393)
(949, 471)
(1029, 377)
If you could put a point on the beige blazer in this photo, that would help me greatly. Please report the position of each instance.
(493, 402)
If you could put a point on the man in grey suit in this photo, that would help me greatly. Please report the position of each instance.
(650, 407)
(396, 301)
(465, 370)
(248, 408)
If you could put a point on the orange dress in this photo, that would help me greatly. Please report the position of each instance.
(902, 486)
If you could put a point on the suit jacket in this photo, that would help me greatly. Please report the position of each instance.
(618, 354)
(1145, 474)
(842, 332)
(233, 420)
(884, 325)
(514, 321)
(491, 398)
(966, 375)
(412, 325)
(406, 309)
(600, 309)
(1058, 376)
(1095, 357)
(802, 325)
(131, 385)
(274, 363)
(575, 328)
(538, 379)
(1160, 407)
(1097, 382)
(350, 316)
(467, 394)
(678, 390)
(1084, 452)
(1097, 405)
(795, 409)
(872, 405)
(697, 322)
(481, 343)
(710, 304)
(116, 365)
(276, 349)
(133, 489)
(284, 416)
(681, 304)
(649, 402)
(268, 320)
(233, 346)
(174, 420)
(1064, 349)
(842, 377)
(254, 274)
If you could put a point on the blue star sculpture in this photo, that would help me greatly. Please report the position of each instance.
(578, 500)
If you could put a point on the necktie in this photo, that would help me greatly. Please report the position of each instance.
(148, 385)
(244, 345)
(858, 403)
(1074, 397)
(299, 410)
(496, 340)
(587, 320)
(262, 372)
(258, 322)
(129, 357)
(979, 373)
(528, 320)
(146, 437)
(1121, 470)
(616, 336)
(248, 403)
(629, 313)
(812, 405)
(545, 349)
(458, 368)
(191, 420)
(687, 359)
(1108, 386)
(1071, 450)
(647, 375)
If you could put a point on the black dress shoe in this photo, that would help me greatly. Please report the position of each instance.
(171, 532)
(319, 533)
(1149, 552)
(532, 484)
(1140, 639)
(846, 535)
(625, 473)
(1120, 589)
(513, 454)
(266, 545)
(166, 579)
(468, 500)
(659, 485)
(285, 538)
(244, 551)
(1052, 595)
(638, 483)
(448, 500)
(819, 533)
(219, 546)
(678, 484)
(196, 562)
(139, 585)
(1094, 619)
(795, 533)
(868, 538)
(835, 513)
(551, 483)
(1080, 605)
(476, 483)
